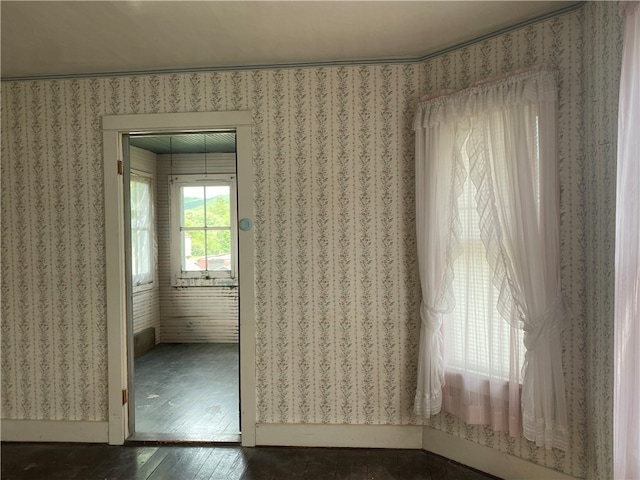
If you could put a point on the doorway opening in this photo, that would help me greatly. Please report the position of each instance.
(120, 270)
(183, 328)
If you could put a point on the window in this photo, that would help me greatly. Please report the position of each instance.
(142, 232)
(483, 352)
(477, 338)
(487, 220)
(203, 229)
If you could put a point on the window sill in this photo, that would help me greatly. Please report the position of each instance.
(205, 282)
(478, 400)
(143, 288)
(457, 372)
(482, 388)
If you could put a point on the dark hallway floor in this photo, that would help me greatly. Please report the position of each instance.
(28, 461)
(188, 391)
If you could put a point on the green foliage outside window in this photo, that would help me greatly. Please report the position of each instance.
(218, 212)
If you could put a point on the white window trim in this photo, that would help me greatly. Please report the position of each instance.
(205, 278)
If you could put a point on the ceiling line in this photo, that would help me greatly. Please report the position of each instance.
(329, 63)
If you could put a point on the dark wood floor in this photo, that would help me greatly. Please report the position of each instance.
(27, 461)
(187, 391)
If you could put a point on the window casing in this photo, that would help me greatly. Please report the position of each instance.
(203, 230)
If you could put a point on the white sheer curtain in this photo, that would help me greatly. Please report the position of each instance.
(141, 230)
(438, 185)
(505, 131)
(483, 353)
(626, 412)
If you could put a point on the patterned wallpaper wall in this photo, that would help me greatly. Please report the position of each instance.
(336, 277)
(54, 342)
(602, 54)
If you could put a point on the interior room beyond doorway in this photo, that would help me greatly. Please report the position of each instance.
(184, 295)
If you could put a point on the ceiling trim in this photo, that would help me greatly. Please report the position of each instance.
(278, 66)
(502, 31)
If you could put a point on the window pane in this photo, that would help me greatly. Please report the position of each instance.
(195, 244)
(141, 258)
(218, 206)
(218, 242)
(141, 232)
(140, 203)
(480, 337)
(192, 201)
(477, 339)
(192, 259)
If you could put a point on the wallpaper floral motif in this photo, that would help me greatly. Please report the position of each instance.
(338, 264)
(337, 292)
(53, 298)
(602, 61)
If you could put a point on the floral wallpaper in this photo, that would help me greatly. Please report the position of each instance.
(337, 292)
(331, 269)
(54, 345)
(602, 60)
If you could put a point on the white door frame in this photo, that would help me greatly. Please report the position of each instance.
(113, 128)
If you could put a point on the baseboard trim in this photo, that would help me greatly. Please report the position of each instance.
(332, 435)
(472, 454)
(54, 431)
(484, 458)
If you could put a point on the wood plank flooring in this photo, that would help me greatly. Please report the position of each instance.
(187, 391)
(190, 392)
(29, 461)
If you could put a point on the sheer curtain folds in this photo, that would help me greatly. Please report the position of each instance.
(504, 130)
(626, 412)
(141, 230)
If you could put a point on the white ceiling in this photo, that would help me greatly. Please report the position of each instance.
(51, 38)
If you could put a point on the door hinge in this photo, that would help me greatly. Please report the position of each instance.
(125, 396)
(120, 168)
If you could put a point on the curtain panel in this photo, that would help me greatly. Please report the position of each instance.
(504, 131)
(626, 398)
(142, 231)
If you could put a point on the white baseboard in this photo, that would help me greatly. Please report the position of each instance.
(468, 453)
(54, 431)
(486, 459)
(474, 455)
(332, 435)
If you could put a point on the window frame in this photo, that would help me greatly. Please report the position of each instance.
(200, 278)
